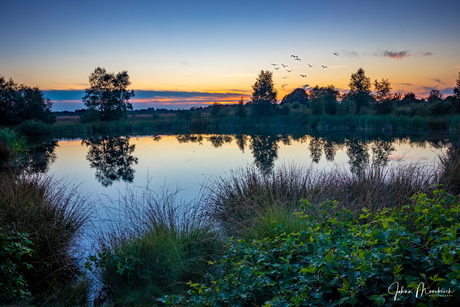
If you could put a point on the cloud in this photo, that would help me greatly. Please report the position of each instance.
(424, 91)
(399, 55)
(439, 81)
(421, 53)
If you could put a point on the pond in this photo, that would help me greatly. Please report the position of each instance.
(106, 166)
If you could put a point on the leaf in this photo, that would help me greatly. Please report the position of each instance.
(447, 257)
(329, 258)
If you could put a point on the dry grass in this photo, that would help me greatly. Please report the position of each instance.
(55, 216)
(237, 200)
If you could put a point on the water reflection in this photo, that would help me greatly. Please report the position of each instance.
(112, 157)
(265, 151)
(38, 157)
(360, 149)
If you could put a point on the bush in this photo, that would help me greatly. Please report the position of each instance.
(34, 128)
(338, 259)
(13, 246)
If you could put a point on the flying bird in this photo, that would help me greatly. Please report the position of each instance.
(310, 65)
(303, 76)
(288, 70)
(335, 53)
(283, 65)
(297, 59)
(284, 77)
(323, 66)
(293, 56)
(276, 68)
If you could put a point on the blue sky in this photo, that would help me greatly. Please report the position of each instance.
(185, 53)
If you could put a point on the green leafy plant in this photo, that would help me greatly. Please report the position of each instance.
(341, 259)
(13, 247)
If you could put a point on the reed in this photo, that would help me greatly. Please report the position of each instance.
(153, 245)
(54, 215)
(245, 196)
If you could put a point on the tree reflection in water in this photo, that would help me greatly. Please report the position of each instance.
(265, 151)
(112, 158)
(37, 159)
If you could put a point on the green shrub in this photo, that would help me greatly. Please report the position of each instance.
(11, 139)
(34, 128)
(338, 259)
(13, 246)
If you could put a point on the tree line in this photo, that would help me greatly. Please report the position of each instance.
(19, 103)
(359, 100)
(108, 97)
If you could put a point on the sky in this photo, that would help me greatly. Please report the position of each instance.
(184, 53)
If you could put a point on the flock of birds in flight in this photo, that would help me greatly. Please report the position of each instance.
(296, 58)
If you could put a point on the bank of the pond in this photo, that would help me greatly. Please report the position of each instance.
(234, 124)
(277, 239)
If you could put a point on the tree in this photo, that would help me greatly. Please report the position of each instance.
(435, 96)
(298, 95)
(383, 99)
(264, 94)
(409, 98)
(360, 86)
(19, 103)
(456, 102)
(108, 95)
(323, 100)
(241, 110)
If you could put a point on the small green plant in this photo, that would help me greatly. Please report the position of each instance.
(340, 259)
(13, 247)
(12, 139)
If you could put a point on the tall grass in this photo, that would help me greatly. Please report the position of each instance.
(54, 215)
(449, 169)
(153, 245)
(245, 198)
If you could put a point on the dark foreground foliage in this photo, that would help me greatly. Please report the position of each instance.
(338, 259)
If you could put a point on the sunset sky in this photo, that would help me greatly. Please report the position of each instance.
(181, 53)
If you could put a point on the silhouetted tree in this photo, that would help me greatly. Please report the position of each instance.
(241, 109)
(324, 100)
(383, 100)
(435, 96)
(457, 88)
(264, 94)
(455, 102)
(19, 103)
(112, 158)
(360, 88)
(298, 95)
(409, 98)
(108, 96)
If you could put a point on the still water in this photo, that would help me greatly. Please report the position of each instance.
(105, 167)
